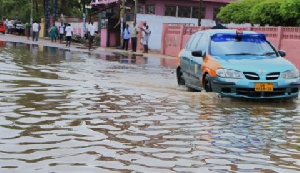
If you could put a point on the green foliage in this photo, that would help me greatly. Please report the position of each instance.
(238, 11)
(272, 12)
(9, 8)
(267, 12)
(290, 11)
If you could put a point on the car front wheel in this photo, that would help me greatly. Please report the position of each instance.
(207, 83)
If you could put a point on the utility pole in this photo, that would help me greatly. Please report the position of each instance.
(83, 17)
(31, 12)
(136, 10)
(200, 12)
(122, 17)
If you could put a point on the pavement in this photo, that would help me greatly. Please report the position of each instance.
(77, 46)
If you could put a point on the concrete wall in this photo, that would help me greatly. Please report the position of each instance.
(175, 36)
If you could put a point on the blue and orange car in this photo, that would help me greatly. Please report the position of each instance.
(236, 63)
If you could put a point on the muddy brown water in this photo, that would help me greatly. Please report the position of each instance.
(64, 111)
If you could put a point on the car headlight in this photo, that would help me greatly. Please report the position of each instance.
(290, 74)
(226, 73)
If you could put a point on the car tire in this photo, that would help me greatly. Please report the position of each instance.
(207, 84)
(180, 79)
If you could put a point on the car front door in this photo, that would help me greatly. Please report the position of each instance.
(196, 62)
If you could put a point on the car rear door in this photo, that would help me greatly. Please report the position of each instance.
(185, 58)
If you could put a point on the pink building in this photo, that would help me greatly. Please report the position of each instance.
(176, 8)
(109, 14)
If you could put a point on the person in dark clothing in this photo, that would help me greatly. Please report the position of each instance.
(219, 25)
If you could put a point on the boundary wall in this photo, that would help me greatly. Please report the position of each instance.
(175, 36)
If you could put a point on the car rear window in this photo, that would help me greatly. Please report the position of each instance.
(244, 44)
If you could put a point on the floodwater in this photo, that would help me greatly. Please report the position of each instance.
(64, 111)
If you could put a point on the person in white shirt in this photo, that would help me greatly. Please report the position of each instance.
(147, 33)
(35, 31)
(134, 32)
(61, 32)
(91, 30)
(69, 33)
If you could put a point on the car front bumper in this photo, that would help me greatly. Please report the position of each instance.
(242, 88)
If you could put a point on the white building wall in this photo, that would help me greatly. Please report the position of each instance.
(155, 25)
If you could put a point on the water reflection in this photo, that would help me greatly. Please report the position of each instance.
(63, 111)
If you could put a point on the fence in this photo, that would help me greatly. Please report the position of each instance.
(175, 36)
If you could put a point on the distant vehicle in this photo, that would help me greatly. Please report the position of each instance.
(236, 63)
(20, 28)
(10, 26)
(2, 27)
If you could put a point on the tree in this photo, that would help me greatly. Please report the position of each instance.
(267, 12)
(71, 8)
(290, 11)
(238, 11)
(272, 12)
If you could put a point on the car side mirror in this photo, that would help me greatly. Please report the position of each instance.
(282, 53)
(197, 53)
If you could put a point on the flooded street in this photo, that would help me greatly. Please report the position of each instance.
(66, 111)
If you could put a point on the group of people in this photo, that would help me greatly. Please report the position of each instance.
(68, 32)
(131, 33)
(61, 32)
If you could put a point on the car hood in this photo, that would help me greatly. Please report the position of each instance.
(254, 63)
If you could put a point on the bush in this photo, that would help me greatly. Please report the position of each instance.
(267, 12)
(290, 11)
(272, 12)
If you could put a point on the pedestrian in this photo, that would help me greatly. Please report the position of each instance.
(143, 34)
(69, 33)
(61, 32)
(126, 36)
(219, 24)
(88, 30)
(6, 27)
(91, 30)
(35, 31)
(53, 31)
(134, 32)
(28, 26)
(147, 33)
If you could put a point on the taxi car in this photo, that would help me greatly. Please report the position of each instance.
(236, 63)
(2, 27)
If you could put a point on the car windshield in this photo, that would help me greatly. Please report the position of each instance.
(250, 44)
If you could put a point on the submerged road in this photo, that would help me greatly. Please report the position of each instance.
(72, 111)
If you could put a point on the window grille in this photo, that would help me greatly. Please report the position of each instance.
(170, 11)
(184, 12)
(150, 9)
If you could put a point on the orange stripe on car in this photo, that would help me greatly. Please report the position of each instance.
(210, 65)
(178, 58)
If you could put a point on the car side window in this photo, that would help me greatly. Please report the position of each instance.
(202, 44)
(188, 44)
(194, 42)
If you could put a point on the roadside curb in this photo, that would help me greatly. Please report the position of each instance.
(75, 46)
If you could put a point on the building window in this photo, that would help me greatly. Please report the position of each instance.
(150, 9)
(195, 13)
(184, 12)
(216, 11)
(170, 11)
(141, 9)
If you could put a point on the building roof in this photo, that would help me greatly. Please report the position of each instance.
(98, 2)
(103, 2)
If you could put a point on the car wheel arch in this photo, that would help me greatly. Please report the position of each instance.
(206, 76)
